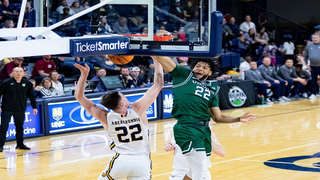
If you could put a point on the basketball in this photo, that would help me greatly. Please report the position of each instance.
(120, 60)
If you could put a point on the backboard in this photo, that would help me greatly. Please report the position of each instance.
(199, 35)
(196, 35)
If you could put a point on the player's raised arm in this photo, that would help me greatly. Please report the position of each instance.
(166, 62)
(88, 105)
(141, 105)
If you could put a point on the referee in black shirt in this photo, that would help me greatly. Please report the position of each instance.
(14, 92)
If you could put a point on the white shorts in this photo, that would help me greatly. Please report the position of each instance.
(132, 167)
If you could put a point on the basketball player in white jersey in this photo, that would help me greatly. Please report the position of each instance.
(127, 127)
(180, 163)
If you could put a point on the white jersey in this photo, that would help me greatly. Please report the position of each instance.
(130, 136)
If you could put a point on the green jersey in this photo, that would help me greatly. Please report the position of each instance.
(191, 97)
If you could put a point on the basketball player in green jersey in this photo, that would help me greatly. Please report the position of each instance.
(194, 101)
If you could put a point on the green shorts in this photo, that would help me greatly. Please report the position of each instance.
(192, 137)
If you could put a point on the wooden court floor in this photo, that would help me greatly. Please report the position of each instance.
(282, 144)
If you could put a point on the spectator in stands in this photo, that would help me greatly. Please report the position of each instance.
(142, 72)
(125, 77)
(25, 23)
(136, 79)
(270, 74)
(87, 17)
(234, 27)
(85, 5)
(262, 35)
(288, 47)
(260, 83)
(6, 71)
(303, 74)
(272, 50)
(177, 11)
(245, 65)
(311, 53)
(111, 12)
(144, 30)
(103, 62)
(67, 64)
(162, 27)
(70, 27)
(8, 12)
(36, 89)
(316, 31)
(227, 35)
(288, 73)
(188, 11)
(8, 24)
(247, 40)
(181, 35)
(46, 88)
(70, 2)
(63, 5)
(76, 7)
(26, 14)
(300, 60)
(195, 17)
(100, 73)
(56, 84)
(120, 26)
(43, 67)
(263, 55)
(105, 28)
(7, 60)
(250, 42)
(148, 63)
(247, 25)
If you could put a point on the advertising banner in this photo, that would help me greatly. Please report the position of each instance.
(167, 103)
(99, 46)
(32, 124)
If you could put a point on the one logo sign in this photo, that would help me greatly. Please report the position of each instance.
(80, 116)
(57, 113)
(99, 45)
(236, 96)
(292, 163)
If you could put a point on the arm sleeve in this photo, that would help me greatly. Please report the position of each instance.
(179, 71)
(54, 66)
(294, 74)
(275, 74)
(45, 93)
(285, 47)
(285, 74)
(249, 76)
(242, 27)
(266, 36)
(264, 74)
(2, 89)
(31, 96)
(306, 55)
(214, 101)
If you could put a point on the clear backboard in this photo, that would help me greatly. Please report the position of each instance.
(195, 29)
